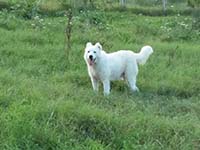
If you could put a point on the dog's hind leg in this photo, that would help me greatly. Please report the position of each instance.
(131, 75)
(132, 84)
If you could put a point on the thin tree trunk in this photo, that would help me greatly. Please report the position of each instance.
(122, 3)
(68, 34)
(164, 2)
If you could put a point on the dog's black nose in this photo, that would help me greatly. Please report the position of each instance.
(91, 57)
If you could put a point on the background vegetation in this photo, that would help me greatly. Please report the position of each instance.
(47, 102)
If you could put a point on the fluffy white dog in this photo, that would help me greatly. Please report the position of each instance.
(106, 67)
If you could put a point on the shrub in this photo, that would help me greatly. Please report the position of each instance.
(196, 19)
(4, 4)
(193, 3)
(27, 8)
(179, 29)
(8, 21)
(94, 18)
(147, 2)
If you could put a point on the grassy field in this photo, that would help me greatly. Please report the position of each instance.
(46, 103)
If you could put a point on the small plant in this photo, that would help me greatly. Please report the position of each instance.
(68, 34)
(172, 55)
(38, 23)
(8, 20)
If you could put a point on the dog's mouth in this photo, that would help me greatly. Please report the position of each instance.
(92, 61)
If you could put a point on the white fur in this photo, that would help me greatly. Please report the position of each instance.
(106, 67)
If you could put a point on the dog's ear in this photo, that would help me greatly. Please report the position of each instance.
(88, 44)
(98, 45)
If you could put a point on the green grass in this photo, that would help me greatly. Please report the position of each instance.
(28, 8)
(46, 103)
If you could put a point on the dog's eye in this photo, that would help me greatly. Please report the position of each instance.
(94, 51)
(88, 51)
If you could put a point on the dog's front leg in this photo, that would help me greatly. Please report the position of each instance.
(95, 84)
(106, 87)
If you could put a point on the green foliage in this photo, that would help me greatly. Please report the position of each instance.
(45, 105)
(9, 21)
(147, 2)
(194, 3)
(196, 19)
(179, 28)
(93, 18)
(26, 8)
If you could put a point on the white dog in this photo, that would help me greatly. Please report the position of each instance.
(106, 67)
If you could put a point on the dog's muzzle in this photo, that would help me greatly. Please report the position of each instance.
(91, 57)
(91, 60)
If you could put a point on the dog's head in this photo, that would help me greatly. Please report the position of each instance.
(92, 53)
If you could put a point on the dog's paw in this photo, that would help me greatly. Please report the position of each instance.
(135, 89)
(106, 93)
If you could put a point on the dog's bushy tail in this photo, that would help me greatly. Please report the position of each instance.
(144, 54)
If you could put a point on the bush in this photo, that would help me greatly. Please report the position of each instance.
(94, 18)
(196, 19)
(147, 2)
(4, 4)
(179, 29)
(8, 21)
(27, 8)
(193, 3)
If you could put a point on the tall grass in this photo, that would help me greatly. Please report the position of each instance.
(45, 105)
